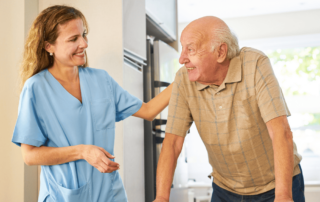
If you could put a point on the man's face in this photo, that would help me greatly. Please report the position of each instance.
(197, 56)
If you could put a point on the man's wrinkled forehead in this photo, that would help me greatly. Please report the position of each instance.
(191, 36)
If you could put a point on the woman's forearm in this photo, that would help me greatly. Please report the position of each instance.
(151, 109)
(161, 101)
(94, 155)
(51, 155)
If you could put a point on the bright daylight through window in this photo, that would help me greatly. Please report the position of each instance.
(298, 72)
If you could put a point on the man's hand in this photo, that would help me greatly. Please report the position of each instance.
(283, 199)
(159, 199)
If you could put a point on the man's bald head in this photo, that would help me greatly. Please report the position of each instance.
(215, 31)
(207, 24)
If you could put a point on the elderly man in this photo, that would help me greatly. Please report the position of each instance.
(239, 110)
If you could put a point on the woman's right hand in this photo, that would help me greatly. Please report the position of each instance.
(99, 158)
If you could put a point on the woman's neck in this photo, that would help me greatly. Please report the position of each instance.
(64, 74)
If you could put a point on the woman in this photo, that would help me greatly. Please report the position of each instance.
(67, 112)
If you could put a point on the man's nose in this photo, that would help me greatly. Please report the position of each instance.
(183, 58)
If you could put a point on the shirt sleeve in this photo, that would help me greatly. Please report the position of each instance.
(269, 95)
(125, 103)
(28, 129)
(179, 114)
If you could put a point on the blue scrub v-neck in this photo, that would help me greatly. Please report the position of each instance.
(63, 90)
(50, 116)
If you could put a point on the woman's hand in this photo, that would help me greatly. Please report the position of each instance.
(99, 158)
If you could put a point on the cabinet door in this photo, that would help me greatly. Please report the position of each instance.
(164, 12)
(134, 27)
(133, 137)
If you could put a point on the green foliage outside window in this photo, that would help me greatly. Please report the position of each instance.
(307, 58)
(298, 72)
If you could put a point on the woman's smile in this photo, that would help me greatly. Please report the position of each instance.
(80, 54)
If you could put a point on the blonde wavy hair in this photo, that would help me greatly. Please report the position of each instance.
(45, 29)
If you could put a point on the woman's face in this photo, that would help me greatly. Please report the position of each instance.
(69, 48)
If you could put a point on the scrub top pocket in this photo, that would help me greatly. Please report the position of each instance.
(83, 193)
(103, 113)
(44, 198)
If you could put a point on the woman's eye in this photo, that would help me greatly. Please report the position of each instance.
(84, 34)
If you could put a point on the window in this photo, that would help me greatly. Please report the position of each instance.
(298, 72)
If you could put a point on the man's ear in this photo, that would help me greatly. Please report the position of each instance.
(48, 47)
(222, 53)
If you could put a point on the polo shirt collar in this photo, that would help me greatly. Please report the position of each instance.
(234, 74)
(201, 86)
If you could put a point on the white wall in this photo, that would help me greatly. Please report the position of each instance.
(276, 25)
(15, 18)
(273, 30)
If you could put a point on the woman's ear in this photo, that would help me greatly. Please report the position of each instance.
(222, 53)
(48, 47)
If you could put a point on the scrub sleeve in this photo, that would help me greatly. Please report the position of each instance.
(28, 129)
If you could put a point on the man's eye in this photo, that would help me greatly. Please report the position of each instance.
(74, 39)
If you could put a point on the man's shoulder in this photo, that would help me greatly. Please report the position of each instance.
(182, 75)
(182, 80)
(252, 52)
(182, 71)
(251, 58)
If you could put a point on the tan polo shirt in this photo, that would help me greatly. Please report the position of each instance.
(231, 120)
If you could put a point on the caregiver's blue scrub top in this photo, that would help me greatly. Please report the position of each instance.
(50, 116)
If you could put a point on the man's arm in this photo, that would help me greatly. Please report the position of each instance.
(171, 148)
(281, 136)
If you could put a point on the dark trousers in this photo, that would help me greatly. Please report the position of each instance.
(222, 195)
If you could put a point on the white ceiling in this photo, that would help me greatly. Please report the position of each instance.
(189, 10)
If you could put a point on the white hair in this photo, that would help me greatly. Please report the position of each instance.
(224, 35)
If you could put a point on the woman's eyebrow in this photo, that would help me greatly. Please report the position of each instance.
(73, 36)
(76, 35)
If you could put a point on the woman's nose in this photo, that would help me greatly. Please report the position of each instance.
(84, 43)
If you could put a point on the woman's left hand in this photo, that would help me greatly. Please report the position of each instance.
(99, 158)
